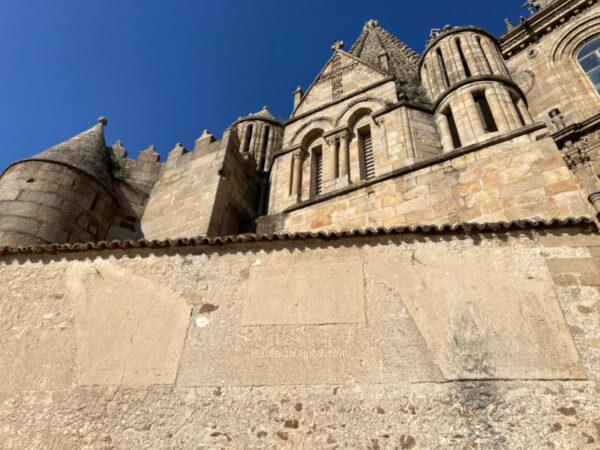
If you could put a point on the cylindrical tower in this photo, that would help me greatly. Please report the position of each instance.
(260, 135)
(472, 92)
(62, 195)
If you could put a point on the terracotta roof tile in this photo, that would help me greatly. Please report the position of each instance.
(464, 228)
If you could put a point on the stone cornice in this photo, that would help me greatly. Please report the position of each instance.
(403, 103)
(417, 166)
(477, 79)
(286, 150)
(532, 29)
(257, 119)
(574, 131)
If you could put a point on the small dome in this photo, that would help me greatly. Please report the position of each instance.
(262, 114)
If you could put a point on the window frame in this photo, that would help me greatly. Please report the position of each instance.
(596, 69)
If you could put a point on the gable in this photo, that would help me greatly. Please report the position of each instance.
(342, 75)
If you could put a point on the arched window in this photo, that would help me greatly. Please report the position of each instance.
(463, 59)
(589, 60)
(485, 112)
(249, 131)
(365, 141)
(265, 145)
(453, 128)
(440, 58)
(317, 171)
(485, 58)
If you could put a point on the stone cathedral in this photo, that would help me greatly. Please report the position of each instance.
(410, 260)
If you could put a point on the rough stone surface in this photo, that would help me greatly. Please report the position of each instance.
(517, 366)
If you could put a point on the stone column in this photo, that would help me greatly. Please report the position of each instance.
(475, 117)
(509, 107)
(497, 109)
(445, 133)
(269, 150)
(525, 112)
(345, 154)
(332, 158)
(460, 68)
(260, 153)
(297, 174)
(450, 62)
(493, 58)
(407, 131)
(472, 55)
(246, 137)
(426, 82)
(436, 72)
(481, 67)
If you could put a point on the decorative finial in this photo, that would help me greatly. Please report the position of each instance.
(509, 25)
(298, 89)
(372, 24)
(265, 108)
(103, 120)
(337, 45)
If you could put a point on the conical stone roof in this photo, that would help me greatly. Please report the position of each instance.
(374, 41)
(262, 114)
(86, 151)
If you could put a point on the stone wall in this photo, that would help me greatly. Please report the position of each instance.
(211, 190)
(523, 177)
(549, 74)
(399, 341)
(136, 180)
(402, 134)
(47, 203)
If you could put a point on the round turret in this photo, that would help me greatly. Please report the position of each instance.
(62, 195)
(260, 135)
(473, 94)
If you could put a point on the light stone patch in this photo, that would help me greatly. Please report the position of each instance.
(129, 330)
(300, 293)
(483, 323)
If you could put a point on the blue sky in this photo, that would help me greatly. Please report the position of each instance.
(163, 70)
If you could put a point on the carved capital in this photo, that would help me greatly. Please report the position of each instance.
(344, 136)
(574, 156)
(332, 140)
(299, 154)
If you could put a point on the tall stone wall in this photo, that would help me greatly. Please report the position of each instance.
(522, 177)
(210, 191)
(406, 341)
(136, 180)
(548, 72)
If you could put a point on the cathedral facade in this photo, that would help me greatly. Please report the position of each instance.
(410, 260)
(476, 129)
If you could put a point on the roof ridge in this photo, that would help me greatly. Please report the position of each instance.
(374, 39)
(422, 229)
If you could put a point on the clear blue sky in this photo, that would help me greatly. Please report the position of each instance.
(163, 70)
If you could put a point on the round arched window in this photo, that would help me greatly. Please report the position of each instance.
(589, 60)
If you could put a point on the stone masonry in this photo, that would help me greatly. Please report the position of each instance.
(410, 260)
